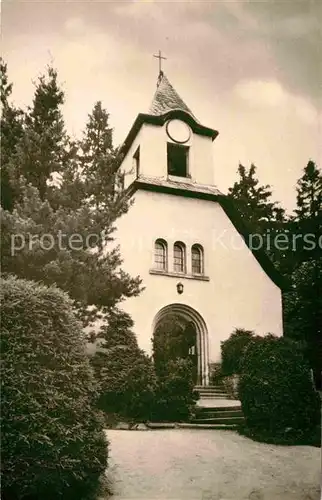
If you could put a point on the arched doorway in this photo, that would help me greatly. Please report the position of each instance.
(195, 330)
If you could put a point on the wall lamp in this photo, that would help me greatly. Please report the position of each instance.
(180, 288)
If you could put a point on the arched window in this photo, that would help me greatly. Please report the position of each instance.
(161, 255)
(196, 259)
(179, 257)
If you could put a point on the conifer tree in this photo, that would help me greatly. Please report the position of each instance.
(62, 233)
(303, 302)
(44, 149)
(124, 372)
(11, 133)
(303, 312)
(253, 200)
(309, 192)
(308, 213)
(260, 215)
(98, 158)
(98, 163)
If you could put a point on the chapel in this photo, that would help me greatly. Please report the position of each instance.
(186, 240)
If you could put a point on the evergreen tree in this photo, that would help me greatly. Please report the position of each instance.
(260, 215)
(303, 303)
(61, 246)
(98, 164)
(117, 331)
(303, 312)
(308, 213)
(98, 159)
(11, 133)
(253, 200)
(62, 233)
(44, 149)
(124, 372)
(309, 193)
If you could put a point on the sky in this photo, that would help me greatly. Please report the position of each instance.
(251, 70)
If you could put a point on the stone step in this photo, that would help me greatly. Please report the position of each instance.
(213, 396)
(208, 392)
(207, 426)
(198, 387)
(161, 425)
(204, 410)
(203, 393)
(218, 414)
(216, 405)
(201, 387)
(215, 391)
(219, 420)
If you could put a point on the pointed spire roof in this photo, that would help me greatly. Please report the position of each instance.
(166, 102)
(166, 98)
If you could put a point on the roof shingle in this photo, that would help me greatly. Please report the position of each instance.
(166, 99)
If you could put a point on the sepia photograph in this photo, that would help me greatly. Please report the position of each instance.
(161, 249)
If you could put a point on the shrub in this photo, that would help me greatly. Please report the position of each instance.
(215, 373)
(232, 351)
(127, 382)
(276, 391)
(53, 444)
(175, 396)
(228, 383)
(124, 372)
(230, 386)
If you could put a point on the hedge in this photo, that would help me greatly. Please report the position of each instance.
(53, 444)
(277, 394)
(124, 372)
(232, 351)
(175, 397)
(127, 382)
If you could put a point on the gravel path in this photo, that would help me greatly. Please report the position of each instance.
(182, 464)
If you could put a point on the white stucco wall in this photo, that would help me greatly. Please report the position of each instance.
(238, 293)
(153, 156)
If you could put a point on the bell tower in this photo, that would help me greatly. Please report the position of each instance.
(168, 144)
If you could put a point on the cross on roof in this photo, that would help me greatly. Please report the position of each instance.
(160, 57)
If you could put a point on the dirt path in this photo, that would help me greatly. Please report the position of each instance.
(209, 465)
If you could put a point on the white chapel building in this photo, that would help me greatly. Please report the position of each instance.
(185, 239)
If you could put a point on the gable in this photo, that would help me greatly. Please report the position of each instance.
(211, 193)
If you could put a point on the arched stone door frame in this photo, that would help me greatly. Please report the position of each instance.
(192, 315)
